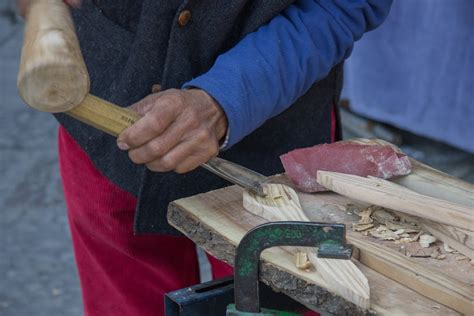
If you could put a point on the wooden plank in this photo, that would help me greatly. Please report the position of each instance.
(390, 195)
(217, 221)
(343, 276)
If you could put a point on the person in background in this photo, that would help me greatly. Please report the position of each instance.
(415, 72)
(249, 80)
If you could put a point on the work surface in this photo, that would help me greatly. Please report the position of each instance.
(217, 221)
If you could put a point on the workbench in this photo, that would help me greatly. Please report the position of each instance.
(216, 221)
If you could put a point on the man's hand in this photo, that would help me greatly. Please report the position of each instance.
(179, 130)
(24, 4)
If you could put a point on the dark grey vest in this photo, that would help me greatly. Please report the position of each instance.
(129, 45)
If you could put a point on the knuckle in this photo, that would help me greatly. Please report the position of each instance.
(134, 157)
(156, 166)
(181, 169)
(167, 163)
(157, 122)
(213, 149)
(153, 167)
(176, 97)
(203, 135)
(193, 121)
(156, 149)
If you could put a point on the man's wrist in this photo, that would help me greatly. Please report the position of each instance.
(221, 126)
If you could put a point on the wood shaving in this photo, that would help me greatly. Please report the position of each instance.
(302, 261)
(447, 248)
(435, 253)
(426, 240)
(418, 252)
(365, 216)
(365, 222)
(381, 215)
(460, 258)
(441, 257)
(417, 236)
(361, 227)
(397, 226)
(383, 233)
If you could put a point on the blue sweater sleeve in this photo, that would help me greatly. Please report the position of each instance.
(272, 67)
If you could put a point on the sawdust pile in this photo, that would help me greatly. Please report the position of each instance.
(377, 222)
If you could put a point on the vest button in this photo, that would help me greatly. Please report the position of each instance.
(184, 17)
(156, 88)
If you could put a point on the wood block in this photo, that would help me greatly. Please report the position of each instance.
(217, 221)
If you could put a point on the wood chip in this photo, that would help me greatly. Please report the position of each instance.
(447, 248)
(365, 216)
(382, 216)
(415, 238)
(302, 261)
(361, 227)
(365, 222)
(406, 227)
(426, 240)
(441, 257)
(460, 258)
(383, 233)
(419, 254)
(435, 253)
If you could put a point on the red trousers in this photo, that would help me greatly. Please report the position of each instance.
(120, 273)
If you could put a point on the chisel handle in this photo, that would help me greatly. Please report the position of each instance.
(104, 115)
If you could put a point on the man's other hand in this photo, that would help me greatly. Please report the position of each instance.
(24, 4)
(179, 130)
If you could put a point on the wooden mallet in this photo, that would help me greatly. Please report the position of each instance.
(53, 76)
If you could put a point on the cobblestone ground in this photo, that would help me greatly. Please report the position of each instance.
(37, 272)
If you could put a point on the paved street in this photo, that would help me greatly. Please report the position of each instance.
(37, 272)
